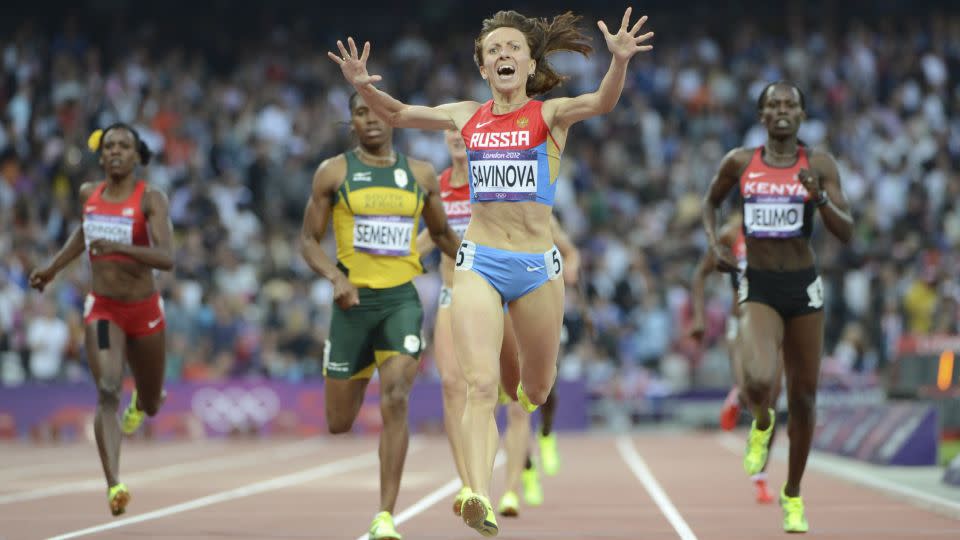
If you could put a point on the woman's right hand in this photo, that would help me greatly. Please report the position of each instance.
(39, 278)
(345, 294)
(353, 64)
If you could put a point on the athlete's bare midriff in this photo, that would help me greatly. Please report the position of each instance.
(512, 226)
(780, 254)
(124, 281)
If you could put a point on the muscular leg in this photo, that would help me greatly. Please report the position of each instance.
(454, 389)
(537, 320)
(106, 349)
(147, 358)
(342, 400)
(803, 343)
(763, 332)
(397, 374)
(478, 334)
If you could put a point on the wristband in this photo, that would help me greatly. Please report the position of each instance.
(822, 200)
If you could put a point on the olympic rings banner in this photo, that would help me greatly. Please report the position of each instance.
(232, 408)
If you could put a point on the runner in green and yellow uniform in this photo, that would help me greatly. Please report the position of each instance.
(376, 198)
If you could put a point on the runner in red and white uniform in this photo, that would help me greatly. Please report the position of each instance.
(127, 232)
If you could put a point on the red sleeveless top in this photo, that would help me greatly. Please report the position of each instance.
(122, 222)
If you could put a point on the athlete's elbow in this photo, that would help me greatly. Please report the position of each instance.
(165, 264)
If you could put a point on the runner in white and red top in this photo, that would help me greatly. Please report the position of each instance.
(782, 185)
(127, 233)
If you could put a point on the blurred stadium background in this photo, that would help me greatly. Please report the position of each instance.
(240, 103)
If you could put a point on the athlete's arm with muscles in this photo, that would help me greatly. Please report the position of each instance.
(728, 175)
(561, 113)
(440, 231)
(73, 248)
(824, 180)
(568, 250)
(159, 254)
(391, 110)
(326, 181)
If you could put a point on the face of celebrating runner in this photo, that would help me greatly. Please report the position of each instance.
(507, 62)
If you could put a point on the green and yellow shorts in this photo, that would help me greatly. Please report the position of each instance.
(386, 323)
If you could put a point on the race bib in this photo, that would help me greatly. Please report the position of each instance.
(766, 219)
(112, 228)
(504, 175)
(383, 235)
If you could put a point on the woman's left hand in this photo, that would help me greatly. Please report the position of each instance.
(625, 43)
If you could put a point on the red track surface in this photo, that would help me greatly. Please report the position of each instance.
(595, 496)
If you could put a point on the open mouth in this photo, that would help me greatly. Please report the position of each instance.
(374, 132)
(506, 71)
(783, 122)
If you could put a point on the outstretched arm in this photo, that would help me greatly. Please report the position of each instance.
(564, 112)
(393, 111)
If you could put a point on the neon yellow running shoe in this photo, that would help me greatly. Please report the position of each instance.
(503, 398)
(118, 497)
(509, 505)
(132, 416)
(756, 455)
(794, 521)
(382, 528)
(532, 491)
(548, 454)
(477, 513)
(524, 400)
(458, 500)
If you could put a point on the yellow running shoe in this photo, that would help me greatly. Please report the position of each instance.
(382, 528)
(532, 491)
(477, 513)
(548, 454)
(524, 400)
(509, 505)
(503, 398)
(132, 416)
(458, 500)
(794, 521)
(756, 455)
(118, 497)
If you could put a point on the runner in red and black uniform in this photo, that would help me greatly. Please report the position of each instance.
(782, 185)
(731, 235)
(127, 233)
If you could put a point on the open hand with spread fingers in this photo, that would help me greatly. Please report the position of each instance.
(353, 64)
(626, 43)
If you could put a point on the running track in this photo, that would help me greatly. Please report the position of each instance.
(652, 485)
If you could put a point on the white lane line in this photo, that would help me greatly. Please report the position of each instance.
(256, 488)
(735, 445)
(639, 468)
(167, 472)
(433, 498)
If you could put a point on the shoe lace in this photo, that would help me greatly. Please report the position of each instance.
(793, 507)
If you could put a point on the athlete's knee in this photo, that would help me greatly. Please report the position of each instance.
(484, 387)
(802, 404)
(394, 400)
(108, 391)
(453, 385)
(538, 392)
(337, 424)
